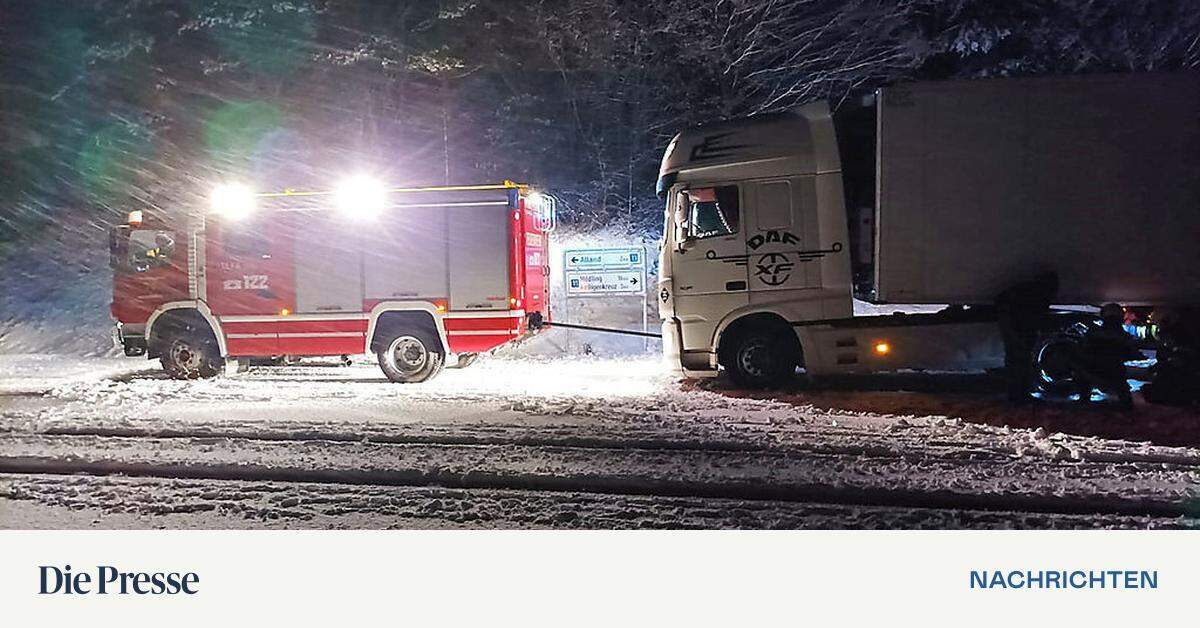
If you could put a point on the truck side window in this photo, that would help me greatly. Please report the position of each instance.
(713, 212)
(148, 249)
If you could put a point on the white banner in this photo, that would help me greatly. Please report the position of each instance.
(474, 578)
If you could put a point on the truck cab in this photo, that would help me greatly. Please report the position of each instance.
(149, 265)
(755, 237)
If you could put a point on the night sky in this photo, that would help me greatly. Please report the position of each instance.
(110, 104)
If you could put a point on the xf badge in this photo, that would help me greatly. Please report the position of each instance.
(773, 269)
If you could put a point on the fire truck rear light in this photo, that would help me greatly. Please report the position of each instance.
(514, 303)
(135, 217)
(361, 196)
(233, 200)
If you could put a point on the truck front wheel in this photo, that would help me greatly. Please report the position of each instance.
(191, 356)
(410, 357)
(761, 357)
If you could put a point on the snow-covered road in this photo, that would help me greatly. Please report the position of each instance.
(515, 442)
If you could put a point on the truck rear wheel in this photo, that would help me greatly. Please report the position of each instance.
(410, 357)
(762, 356)
(1052, 362)
(191, 356)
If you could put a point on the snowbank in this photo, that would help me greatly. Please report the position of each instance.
(55, 294)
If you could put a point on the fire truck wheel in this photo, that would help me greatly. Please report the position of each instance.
(410, 358)
(760, 357)
(190, 357)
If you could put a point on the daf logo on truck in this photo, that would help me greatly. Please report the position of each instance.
(772, 236)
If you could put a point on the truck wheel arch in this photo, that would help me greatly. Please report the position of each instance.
(168, 314)
(387, 317)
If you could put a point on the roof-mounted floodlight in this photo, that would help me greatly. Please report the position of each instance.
(233, 200)
(361, 196)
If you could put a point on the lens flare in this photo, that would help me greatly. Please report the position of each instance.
(233, 200)
(361, 196)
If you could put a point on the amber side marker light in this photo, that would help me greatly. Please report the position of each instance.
(882, 348)
(285, 312)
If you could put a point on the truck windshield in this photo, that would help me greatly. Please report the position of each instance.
(713, 211)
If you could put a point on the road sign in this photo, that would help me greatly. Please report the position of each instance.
(606, 259)
(618, 273)
(605, 282)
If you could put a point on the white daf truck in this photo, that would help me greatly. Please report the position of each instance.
(925, 193)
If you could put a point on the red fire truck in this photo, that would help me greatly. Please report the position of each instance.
(412, 275)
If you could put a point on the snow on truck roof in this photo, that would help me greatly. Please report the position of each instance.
(800, 141)
(366, 196)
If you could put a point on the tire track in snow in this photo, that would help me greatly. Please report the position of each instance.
(1097, 488)
(913, 442)
(81, 502)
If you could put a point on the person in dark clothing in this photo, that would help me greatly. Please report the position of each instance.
(1175, 375)
(1021, 313)
(1100, 362)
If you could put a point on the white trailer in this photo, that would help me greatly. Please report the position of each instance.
(984, 183)
(957, 191)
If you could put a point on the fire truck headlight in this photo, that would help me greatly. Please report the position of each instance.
(361, 196)
(233, 200)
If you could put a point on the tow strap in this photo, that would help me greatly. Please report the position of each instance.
(607, 330)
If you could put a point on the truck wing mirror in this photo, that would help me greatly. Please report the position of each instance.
(682, 238)
(681, 214)
(118, 247)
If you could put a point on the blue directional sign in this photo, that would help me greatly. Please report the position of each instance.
(608, 259)
(597, 272)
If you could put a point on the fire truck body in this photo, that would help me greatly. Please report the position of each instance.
(428, 273)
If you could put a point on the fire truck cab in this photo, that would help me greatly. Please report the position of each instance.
(411, 275)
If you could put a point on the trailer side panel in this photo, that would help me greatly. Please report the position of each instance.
(982, 184)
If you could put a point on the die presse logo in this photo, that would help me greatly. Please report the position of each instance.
(107, 580)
